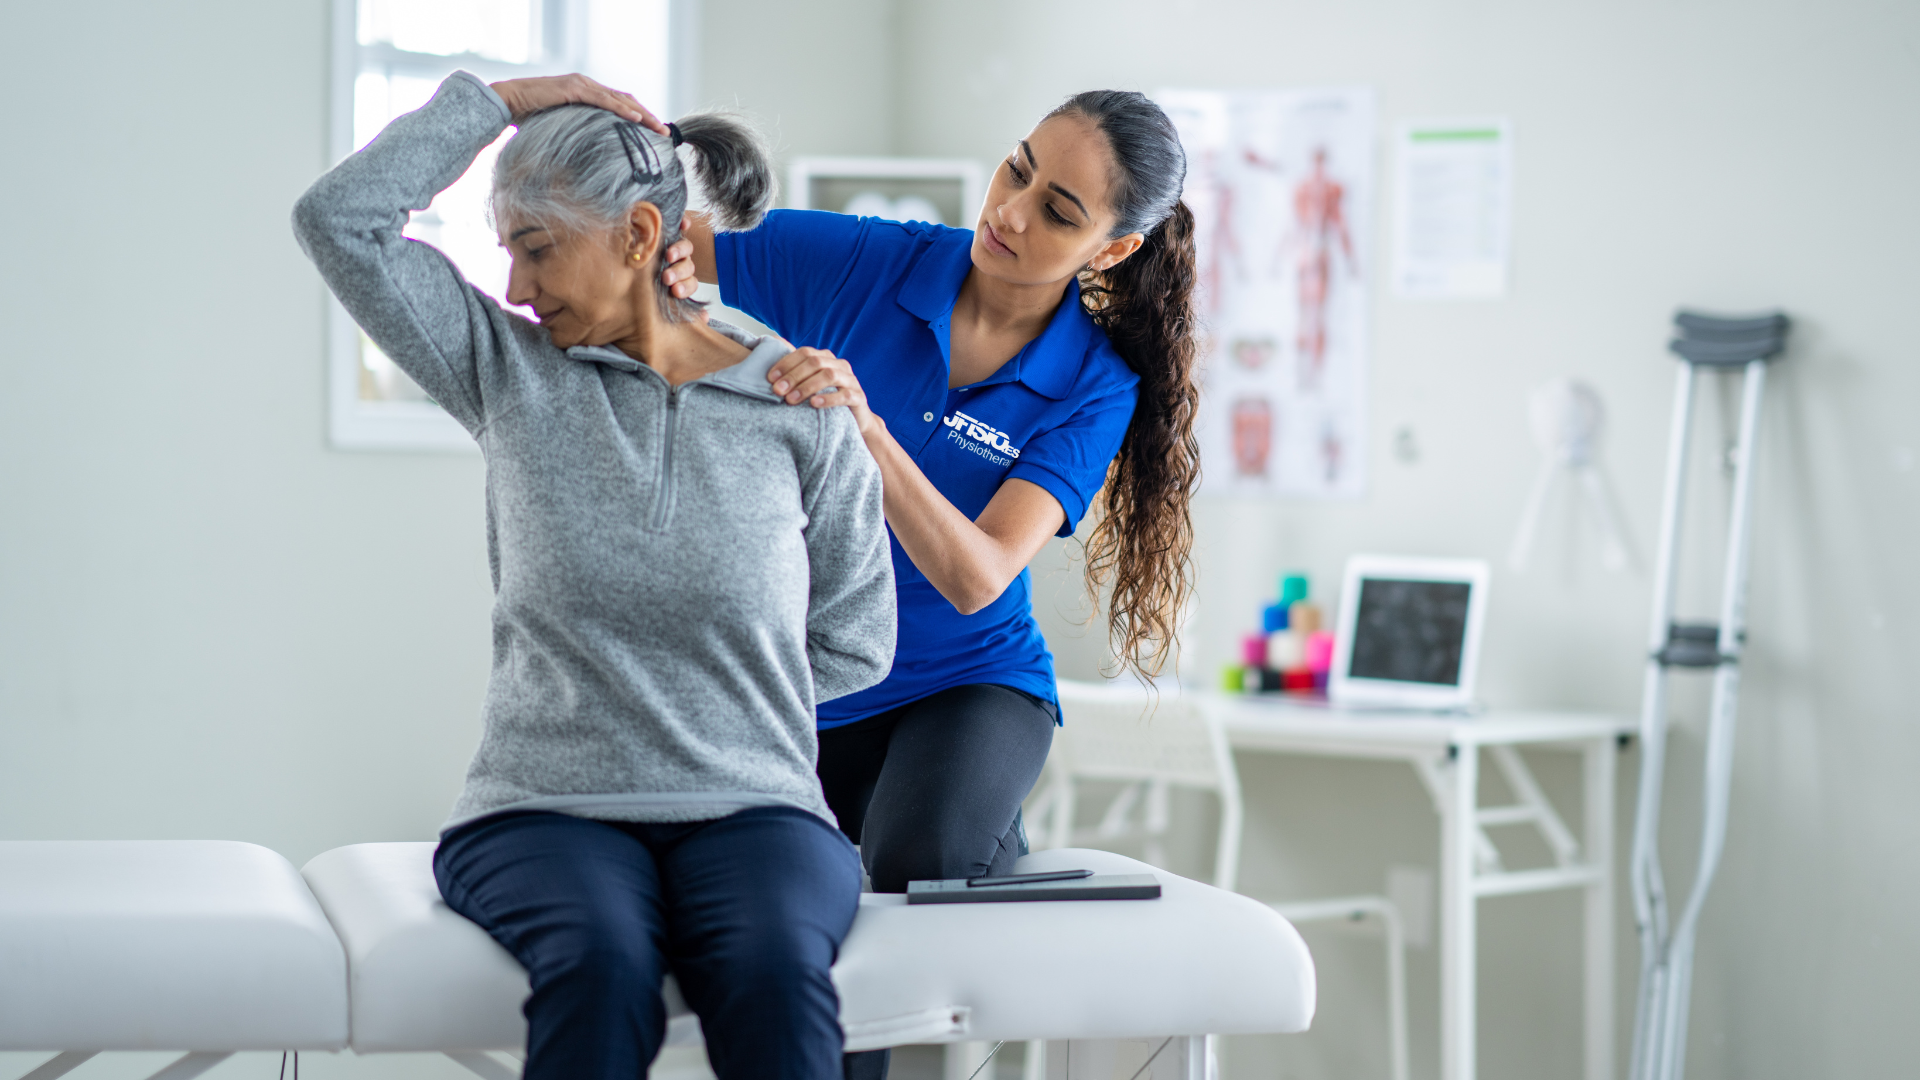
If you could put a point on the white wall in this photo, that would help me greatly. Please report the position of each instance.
(819, 76)
(211, 625)
(1733, 156)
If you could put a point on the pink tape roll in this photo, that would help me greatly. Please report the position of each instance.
(1319, 651)
(1253, 650)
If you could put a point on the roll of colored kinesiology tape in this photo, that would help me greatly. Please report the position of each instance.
(1273, 618)
(1287, 651)
(1319, 651)
(1233, 678)
(1292, 587)
(1303, 617)
(1253, 650)
(1297, 680)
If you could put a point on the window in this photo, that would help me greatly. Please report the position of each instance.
(389, 56)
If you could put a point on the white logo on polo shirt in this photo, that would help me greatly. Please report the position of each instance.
(981, 438)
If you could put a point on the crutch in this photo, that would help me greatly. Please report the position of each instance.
(1666, 952)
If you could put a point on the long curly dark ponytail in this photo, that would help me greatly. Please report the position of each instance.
(1143, 537)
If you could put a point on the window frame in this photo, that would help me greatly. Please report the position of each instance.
(354, 423)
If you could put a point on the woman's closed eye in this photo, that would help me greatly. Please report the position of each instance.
(1020, 179)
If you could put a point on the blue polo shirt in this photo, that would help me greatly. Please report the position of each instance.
(880, 295)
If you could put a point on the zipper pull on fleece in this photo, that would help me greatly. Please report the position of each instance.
(663, 486)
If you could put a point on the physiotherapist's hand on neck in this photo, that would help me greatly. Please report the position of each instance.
(690, 260)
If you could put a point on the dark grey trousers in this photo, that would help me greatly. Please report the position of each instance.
(933, 788)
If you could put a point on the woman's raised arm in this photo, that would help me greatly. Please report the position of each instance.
(407, 296)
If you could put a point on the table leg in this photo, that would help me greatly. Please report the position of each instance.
(1458, 828)
(963, 1059)
(1598, 759)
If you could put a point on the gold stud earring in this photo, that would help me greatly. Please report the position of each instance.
(636, 256)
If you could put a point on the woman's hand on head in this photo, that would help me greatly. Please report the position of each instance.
(824, 381)
(525, 96)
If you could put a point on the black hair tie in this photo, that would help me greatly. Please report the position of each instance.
(673, 132)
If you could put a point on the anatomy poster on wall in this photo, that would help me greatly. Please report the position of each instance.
(1281, 187)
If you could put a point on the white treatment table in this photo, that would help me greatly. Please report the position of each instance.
(200, 946)
(210, 948)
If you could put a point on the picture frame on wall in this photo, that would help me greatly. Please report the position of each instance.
(944, 191)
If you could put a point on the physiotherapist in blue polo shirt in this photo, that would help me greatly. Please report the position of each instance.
(1009, 380)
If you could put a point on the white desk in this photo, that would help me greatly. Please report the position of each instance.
(1445, 752)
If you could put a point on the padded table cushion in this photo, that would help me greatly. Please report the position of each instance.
(164, 945)
(1196, 961)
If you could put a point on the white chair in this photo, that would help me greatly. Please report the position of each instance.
(1124, 734)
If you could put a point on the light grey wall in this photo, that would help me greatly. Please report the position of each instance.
(1733, 156)
(818, 76)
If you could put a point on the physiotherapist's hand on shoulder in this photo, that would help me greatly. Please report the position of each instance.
(971, 562)
(526, 96)
(824, 381)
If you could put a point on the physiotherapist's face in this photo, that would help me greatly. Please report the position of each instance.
(1046, 214)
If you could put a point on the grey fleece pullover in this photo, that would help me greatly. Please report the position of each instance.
(680, 574)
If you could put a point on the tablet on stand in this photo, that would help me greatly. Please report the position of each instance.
(1408, 636)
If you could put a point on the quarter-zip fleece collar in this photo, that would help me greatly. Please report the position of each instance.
(748, 377)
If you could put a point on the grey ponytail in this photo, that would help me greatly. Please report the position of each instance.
(580, 169)
(730, 161)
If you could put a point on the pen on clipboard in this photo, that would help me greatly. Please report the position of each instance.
(1022, 879)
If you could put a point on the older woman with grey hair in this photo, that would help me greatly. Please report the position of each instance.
(683, 568)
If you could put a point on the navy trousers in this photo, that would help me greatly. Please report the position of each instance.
(747, 912)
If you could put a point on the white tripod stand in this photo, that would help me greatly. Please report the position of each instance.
(1666, 951)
